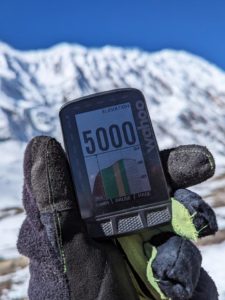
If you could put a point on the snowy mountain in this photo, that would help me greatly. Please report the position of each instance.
(185, 96)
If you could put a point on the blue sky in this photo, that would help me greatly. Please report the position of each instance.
(194, 25)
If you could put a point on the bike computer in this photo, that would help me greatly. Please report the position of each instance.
(115, 163)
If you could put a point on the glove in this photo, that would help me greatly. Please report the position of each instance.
(173, 262)
(65, 263)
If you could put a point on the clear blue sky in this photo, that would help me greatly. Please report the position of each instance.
(197, 26)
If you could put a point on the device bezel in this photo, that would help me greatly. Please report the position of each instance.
(77, 163)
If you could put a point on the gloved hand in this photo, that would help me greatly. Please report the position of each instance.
(156, 264)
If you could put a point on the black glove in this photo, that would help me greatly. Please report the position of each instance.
(64, 262)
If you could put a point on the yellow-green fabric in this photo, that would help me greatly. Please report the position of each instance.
(182, 221)
(133, 247)
(151, 278)
(141, 260)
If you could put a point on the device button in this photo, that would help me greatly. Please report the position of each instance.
(107, 228)
(130, 224)
(157, 217)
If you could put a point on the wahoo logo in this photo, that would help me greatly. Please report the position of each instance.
(144, 126)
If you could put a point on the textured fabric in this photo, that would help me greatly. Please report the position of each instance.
(187, 165)
(138, 248)
(177, 267)
(182, 221)
(204, 217)
(47, 278)
(157, 291)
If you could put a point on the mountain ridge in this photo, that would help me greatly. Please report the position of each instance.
(33, 86)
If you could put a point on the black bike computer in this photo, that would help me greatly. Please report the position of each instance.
(115, 163)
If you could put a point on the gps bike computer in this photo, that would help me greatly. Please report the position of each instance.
(115, 164)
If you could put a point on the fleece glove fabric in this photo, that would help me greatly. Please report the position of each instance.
(65, 263)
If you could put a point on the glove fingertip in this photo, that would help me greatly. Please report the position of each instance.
(187, 165)
(177, 267)
(204, 218)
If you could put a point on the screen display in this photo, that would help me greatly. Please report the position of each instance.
(113, 155)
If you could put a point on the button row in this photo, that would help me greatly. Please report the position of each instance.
(135, 222)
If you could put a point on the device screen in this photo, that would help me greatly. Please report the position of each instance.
(112, 154)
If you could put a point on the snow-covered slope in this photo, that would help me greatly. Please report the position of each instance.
(185, 95)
